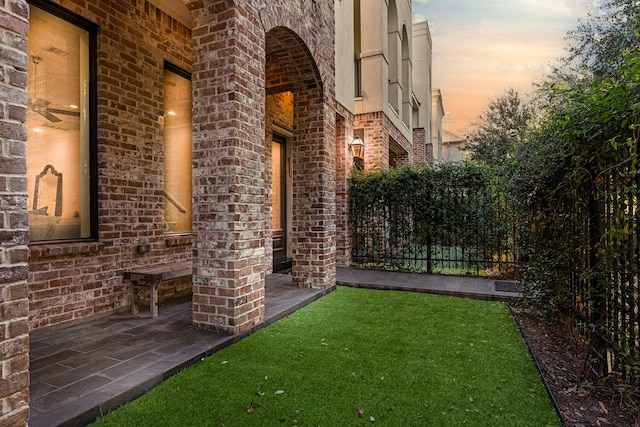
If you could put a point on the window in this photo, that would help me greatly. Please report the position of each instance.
(393, 39)
(357, 41)
(60, 125)
(177, 150)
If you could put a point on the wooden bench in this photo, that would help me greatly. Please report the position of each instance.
(150, 277)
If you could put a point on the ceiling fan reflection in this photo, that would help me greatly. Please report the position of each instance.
(41, 106)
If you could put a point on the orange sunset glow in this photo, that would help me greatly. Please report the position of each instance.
(482, 48)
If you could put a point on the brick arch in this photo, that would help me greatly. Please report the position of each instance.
(290, 65)
(232, 50)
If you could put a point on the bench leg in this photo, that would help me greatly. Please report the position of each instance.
(153, 303)
(134, 306)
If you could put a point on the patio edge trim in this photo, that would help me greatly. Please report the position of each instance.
(538, 367)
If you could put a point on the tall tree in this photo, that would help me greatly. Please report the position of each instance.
(597, 45)
(506, 121)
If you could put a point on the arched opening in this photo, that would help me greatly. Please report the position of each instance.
(266, 96)
(295, 156)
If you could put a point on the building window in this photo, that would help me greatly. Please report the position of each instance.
(358, 77)
(61, 125)
(177, 150)
(357, 41)
(393, 39)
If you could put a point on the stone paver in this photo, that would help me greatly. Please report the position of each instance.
(471, 287)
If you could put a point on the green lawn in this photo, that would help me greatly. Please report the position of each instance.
(404, 359)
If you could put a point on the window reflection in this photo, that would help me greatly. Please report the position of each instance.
(177, 152)
(58, 129)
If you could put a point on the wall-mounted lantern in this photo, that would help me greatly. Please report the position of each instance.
(357, 148)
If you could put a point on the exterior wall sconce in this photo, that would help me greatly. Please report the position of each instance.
(357, 148)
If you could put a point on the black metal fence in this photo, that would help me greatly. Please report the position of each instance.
(582, 250)
(588, 248)
(459, 225)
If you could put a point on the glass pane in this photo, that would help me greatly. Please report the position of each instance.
(177, 153)
(276, 185)
(58, 129)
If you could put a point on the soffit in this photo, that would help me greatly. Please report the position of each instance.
(175, 8)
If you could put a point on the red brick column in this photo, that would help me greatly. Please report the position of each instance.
(344, 166)
(230, 45)
(419, 149)
(314, 197)
(14, 305)
(228, 167)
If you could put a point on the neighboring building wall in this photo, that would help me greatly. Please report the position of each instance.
(74, 281)
(14, 306)
(395, 69)
(346, 51)
(345, 55)
(422, 87)
(428, 152)
(376, 153)
(380, 136)
(386, 81)
(436, 124)
(453, 146)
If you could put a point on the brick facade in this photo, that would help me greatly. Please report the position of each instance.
(382, 141)
(14, 305)
(229, 125)
(419, 147)
(237, 53)
(230, 243)
(344, 166)
(76, 281)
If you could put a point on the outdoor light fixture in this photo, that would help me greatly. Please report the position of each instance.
(357, 148)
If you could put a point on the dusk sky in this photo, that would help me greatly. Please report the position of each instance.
(481, 48)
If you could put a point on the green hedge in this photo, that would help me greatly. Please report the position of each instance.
(402, 218)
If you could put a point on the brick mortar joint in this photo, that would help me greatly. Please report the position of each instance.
(7, 10)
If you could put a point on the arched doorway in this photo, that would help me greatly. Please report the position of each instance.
(246, 89)
(295, 111)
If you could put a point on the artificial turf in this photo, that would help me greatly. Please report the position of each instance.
(361, 357)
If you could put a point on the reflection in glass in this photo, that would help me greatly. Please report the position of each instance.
(276, 185)
(58, 128)
(177, 153)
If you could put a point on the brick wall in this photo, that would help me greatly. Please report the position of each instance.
(419, 149)
(14, 306)
(344, 165)
(379, 134)
(69, 282)
(229, 194)
(401, 145)
(229, 125)
(302, 36)
(376, 143)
